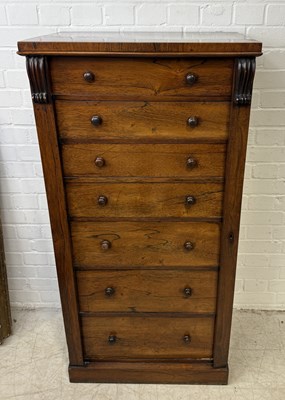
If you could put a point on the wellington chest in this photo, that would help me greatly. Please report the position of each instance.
(143, 142)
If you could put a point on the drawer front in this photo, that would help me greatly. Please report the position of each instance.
(157, 160)
(147, 291)
(147, 337)
(140, 78)
(142, 120)
(144, 199)
(154, 244)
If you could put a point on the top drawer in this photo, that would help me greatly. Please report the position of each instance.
(104, 78)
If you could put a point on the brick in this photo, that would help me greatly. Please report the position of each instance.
(2, 82)
(23, 116)
(262, 273)
(42, 245)
(29, 153)
(29, 231)
(255, 285)
(277, 260)
(46, 231)
(270, 137)
(249, 14)
(183, 14)
(265, 171)
(54, 15)
(282, 272)
(281, 171)
(25, 201)
(261, 218)
(267, 117)
(259, 203)
(272, 99)
(151, 14)
(46, 272)
(35, 259)
(274, 59)
(17, 170)
(17, 79)
(216, 14)
(25, 14)
(51, 297)
(5, 118)
(13, 258)
(119, 14)
(253, 260)
(3, 17)
(6, 59)
(259, 232)
(279, 232)
(259, 246)
(36, 217)
(43, 202)
(238, 285)
(17, 245)
(10, 185)
(38, 169)
(270, 36)
(24, 297)
(9, 232)
(18, 284)
(275, 15)
(251, 299)
(10, 98)
(21, 272)
(279, 202)
(8, 153)
(6, 201)
(43, 284)
(90, 14)
(33, 186)
(277, 286)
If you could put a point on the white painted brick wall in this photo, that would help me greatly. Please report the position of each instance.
(30, 259)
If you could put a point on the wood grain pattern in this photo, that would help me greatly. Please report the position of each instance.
(46, 128)
(147, 291)
(144, 199)
(145, 244)
(135, 120)
(141, 78)
(171, 372)
(131, 160)
(142, 337)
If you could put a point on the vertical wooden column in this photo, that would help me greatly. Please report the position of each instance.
(235, 164)
(5, 314)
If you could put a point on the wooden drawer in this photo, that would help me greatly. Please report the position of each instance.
(147, 291)
(152, 244)
(173, 199)
(142, 120)
(140, 78)
(157, 160)
(145, 337)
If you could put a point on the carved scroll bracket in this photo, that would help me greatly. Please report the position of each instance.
(37, 72)
(245, 69)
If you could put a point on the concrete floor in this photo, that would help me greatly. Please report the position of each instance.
(33, 364)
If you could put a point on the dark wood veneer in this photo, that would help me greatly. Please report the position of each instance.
(143, 142)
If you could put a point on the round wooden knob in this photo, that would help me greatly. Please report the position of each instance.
(190, 200)
(109, 291)
(112, 339)
(191, 79)
(106, 245)
(89, 76)
(102, 201)
(192, 121)
(99, 162)
(191, 163)
(187, 291)
(96, 120)
(187, 338)
(188, 246)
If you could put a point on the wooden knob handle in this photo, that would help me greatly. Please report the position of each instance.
(112, 339)
(109, 291)
(102, 201)
(187, 291)
(189, 246)
(106, 245)
(187, 338)
(99, 162)
(191, 78)
(89, 76)
(190, 200)
(191, 163)
(192, 121)
(96, 120)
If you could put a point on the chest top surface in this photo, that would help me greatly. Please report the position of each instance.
(175, 43)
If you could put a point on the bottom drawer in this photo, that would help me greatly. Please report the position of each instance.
(123, 337)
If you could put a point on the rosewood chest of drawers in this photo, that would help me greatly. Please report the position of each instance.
(143, 141)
